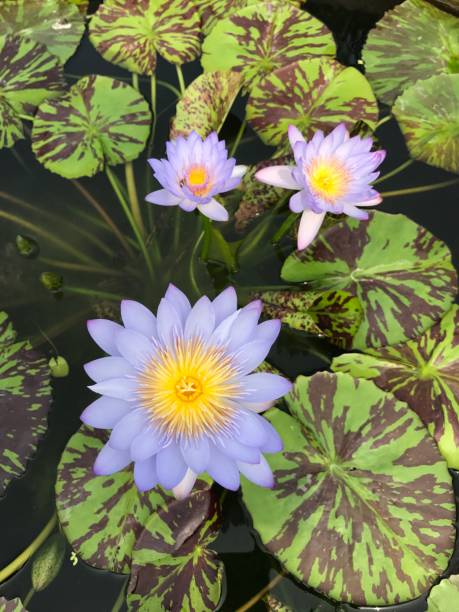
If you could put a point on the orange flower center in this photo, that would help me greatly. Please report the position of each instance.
(198, 180)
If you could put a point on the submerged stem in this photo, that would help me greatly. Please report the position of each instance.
(28, 597)
(133, 197)
(70, 265)
(119, 600)
(237, 140)
(207, 230)
(420, 189)
(249, 604)
(193, 280)
(285, 227)
(383, 121)
(105, 295)
(181, 80)
(394, 172)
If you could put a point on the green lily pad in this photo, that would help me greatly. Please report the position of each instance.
(29, 74)
(451, 6)
(206, 103)
(313, 94)
(428, 114)
(414, 41)
(129, 33)
(99, 121)
(363, 506)
(263, 37)
(11, 605)
(424, 373)
(173, 567)
(57, 24)
(25, 398)
(444, 597)
(401, 273)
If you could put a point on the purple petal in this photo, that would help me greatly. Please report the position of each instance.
(127, 429)
(145, 476)
(239, 171)
(309, 227)
(184, 487)
(223, 470)
(243, 328)
(105, 412)
(110, 460)
(104, 333)
(356, 213)
(268, 331)
(371, 202)
(258, 406)
(119, 388)
(163, 197)
(250, 355)
(225, 304)
(201, 320)
(214, 210)
(265, 387)
(279, 176)
(168, 322)
(273, 442)
(222, 333)
(108, 367)
(196, 454)
(251, 428)
(188, 205)
(135, 347)
(260, 473)
(170, 466)
(294, 135)
(146, 444)
(297, 202)
(237, 451)
(138, 317)
(179, 301)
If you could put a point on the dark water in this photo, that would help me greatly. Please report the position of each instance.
(58, 206)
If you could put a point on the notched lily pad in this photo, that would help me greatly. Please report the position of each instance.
(11, 605)
(363, 505)
(444, 596)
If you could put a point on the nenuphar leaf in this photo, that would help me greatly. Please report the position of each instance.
(414, 41)
(401, 273)
(444, 597)
(129, 33)
(363, 506)
(25, 398)
(424, 373)
(313, 94)
(172, 565)
(54, 23)
(11, 605)
(206, 103)
(428, 114)
(99, 121)
(263, 37)
(29, 74)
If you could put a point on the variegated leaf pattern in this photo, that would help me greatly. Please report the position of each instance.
(25, 399)
(28, 75)
(424, 373)
(57, 24)
(264, 37)
(102, 516)
(129, 33)
(361, 479)
(428, 114)
(414, 41)
(444, 597)
(11, 605)
(401, 273)
(451, 6)
(99, 121)
(206, 103)
(313, 94)
(173, 567)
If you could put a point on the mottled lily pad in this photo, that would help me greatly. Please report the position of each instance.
(11, 605)
(25, 398)
(129, 33)
(99, 121)
(363, 505)
(173, 567)
(263, 37)
(313, 94)
(401, 273)
(424, 373)
(28, 75)
(444, 597)
(414, 41)
(57, 24)
(428, 114)
(206, 103)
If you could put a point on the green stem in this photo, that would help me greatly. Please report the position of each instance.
(394, 172)
(285, 227)
(177, 227)
(69, 265)
(25, 117)
(28, 597)
(207, 230)
(193, 280)
(237, 140)
(420, 189)
(181, 80)
(133, 197)
(120, 600)
(104, 295)
(264, 591)
(383, 121)
(253, 239)
(135, 80)
(170, 87)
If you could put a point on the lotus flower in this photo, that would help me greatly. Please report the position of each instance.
(332, 173)
(178, 393)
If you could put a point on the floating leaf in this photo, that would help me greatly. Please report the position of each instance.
(263, 37)
(444, 597)
(363, 505)
(99, 121)
(412, 42)
(313, 94)
(28, 75)
(401, 273)
(428, 114)
(47, 562)
(27, 246)
(206, 103)
(11, 605)
(451, 6)
(25, 398)
(59, 367)
(274, 605)
(57, 24)
(129, 33)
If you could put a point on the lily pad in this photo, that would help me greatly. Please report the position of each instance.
(312, 94)
(25, 398)
(414, 41)
(424, 373)
(11, 605)
(129, 33)
(263, 37)
(29, 74)
(206, 103)
(99, 121)
(363, 505)
(444, 597)
(57, 24)
(428, 114)
(401, 273)
(173, 567)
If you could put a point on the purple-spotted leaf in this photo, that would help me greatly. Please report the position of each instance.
(451, 6)
(28, 75)
(363, 506)
(11, 605)
(263, 37)
(444, 597)
(129, 33)
(99, 121)
(206, 103)
(25, 398)
(312, 94)
(424, 373)
(402, 275)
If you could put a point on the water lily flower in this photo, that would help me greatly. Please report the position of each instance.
(333, 174)
(178, 392)
(194, 172)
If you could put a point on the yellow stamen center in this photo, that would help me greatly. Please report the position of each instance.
(198, 180)
(188, 389)
(328, 179)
